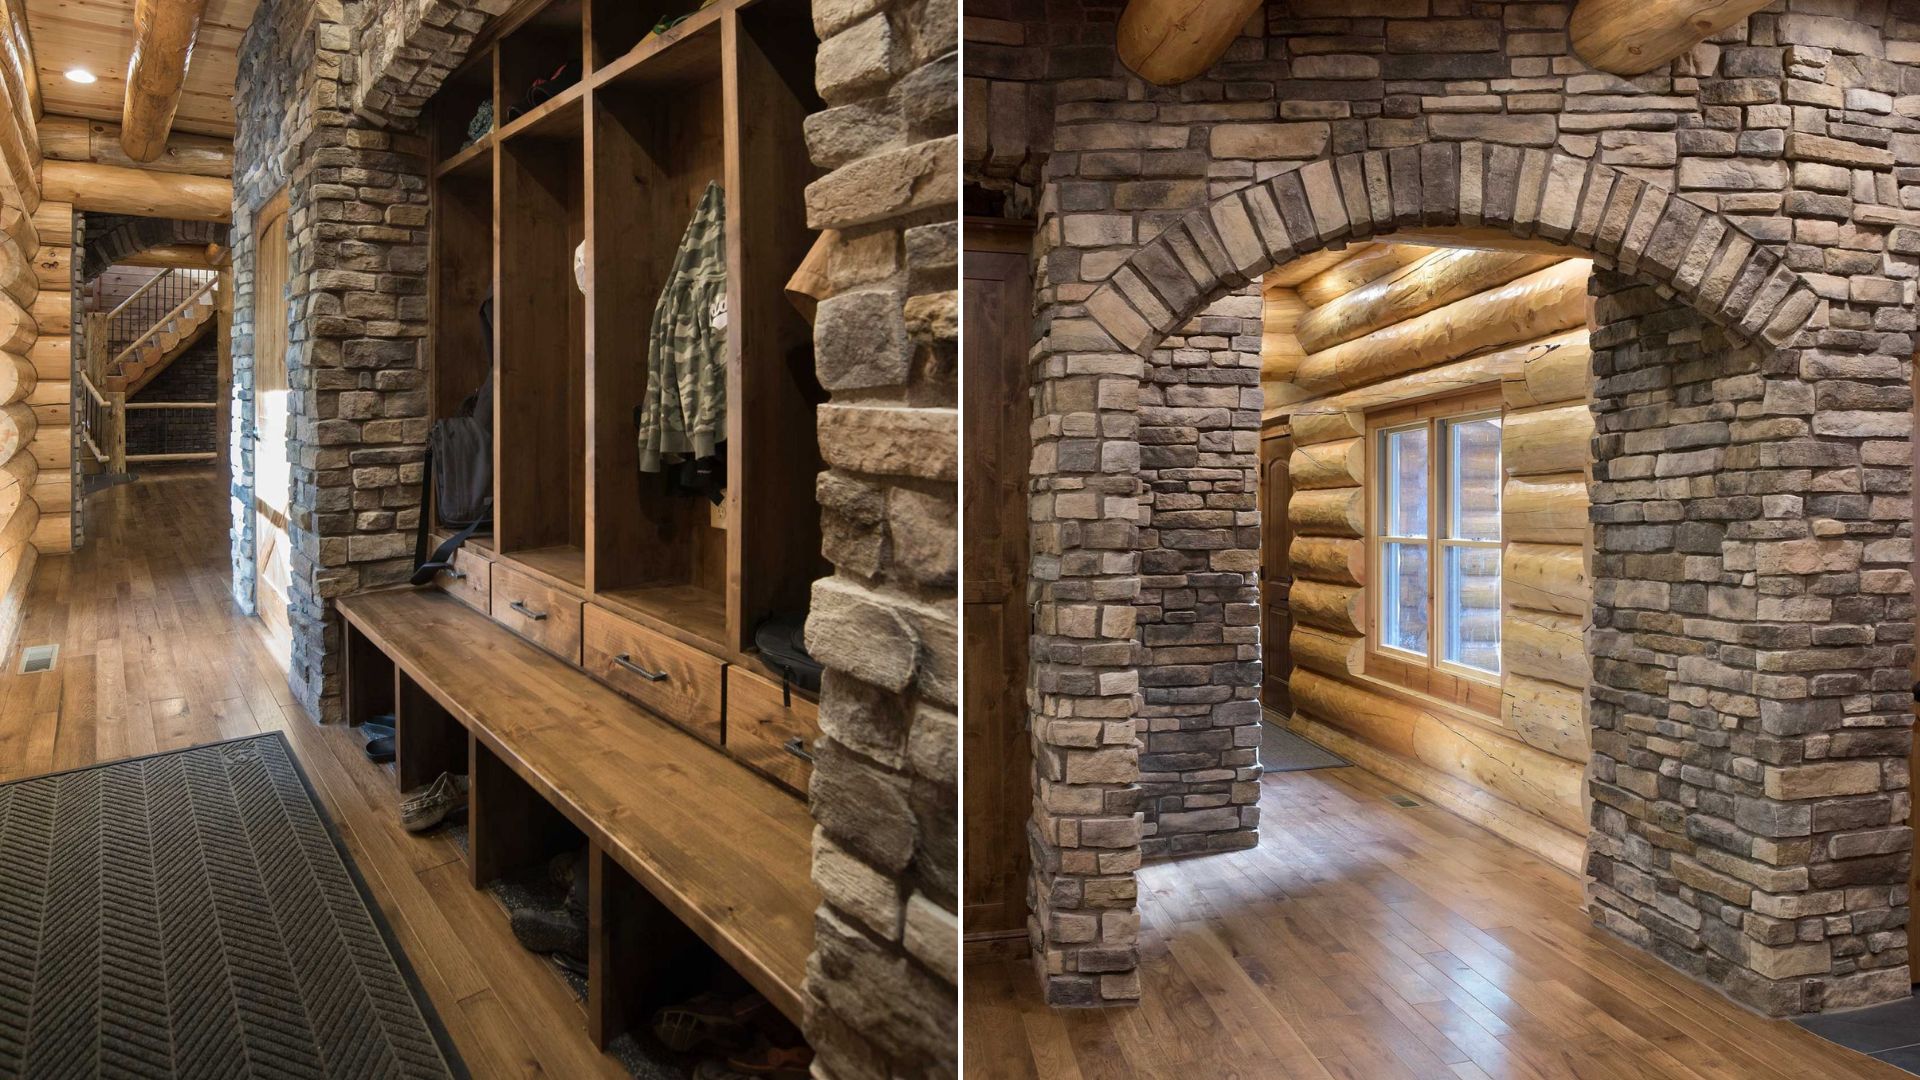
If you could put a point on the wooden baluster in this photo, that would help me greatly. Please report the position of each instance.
(117, 431)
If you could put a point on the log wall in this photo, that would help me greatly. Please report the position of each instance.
(1392, 324)
(36, 496)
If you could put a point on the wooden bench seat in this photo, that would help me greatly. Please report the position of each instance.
(724, 850)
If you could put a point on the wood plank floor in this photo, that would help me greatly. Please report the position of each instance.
(1362, 941)
(154, 656)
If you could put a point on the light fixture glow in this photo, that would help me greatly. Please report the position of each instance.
(81, 75)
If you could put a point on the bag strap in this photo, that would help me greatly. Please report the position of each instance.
(425, 567)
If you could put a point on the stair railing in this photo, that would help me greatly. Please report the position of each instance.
(149, 304)
(103, 425)
(204, 286)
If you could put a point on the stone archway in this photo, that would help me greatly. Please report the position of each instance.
(1748, 785)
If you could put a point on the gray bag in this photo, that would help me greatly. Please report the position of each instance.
(457, 485)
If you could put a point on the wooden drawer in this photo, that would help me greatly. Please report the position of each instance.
(470, 581)
(679, 682)
(762, 727)
(543, 615)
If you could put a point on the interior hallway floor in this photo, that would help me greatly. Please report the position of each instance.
(154, 655)
(1363, 941)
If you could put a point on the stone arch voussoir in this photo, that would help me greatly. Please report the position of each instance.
(1626, 224)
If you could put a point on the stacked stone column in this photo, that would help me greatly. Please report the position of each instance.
(1199, 606)
(1085, 688)
(1752, 640)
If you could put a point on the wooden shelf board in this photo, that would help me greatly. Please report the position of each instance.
(470, 160)
(559, 118)
(677, 610)
(688, 53)
(564, 564)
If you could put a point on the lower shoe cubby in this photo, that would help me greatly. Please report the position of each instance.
(428, 741)
(511, 828)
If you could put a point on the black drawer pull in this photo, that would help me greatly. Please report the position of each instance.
(523, 609)
(457, 575)
(798, 748)
(626, 661)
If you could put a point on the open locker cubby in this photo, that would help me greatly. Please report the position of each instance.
(620, 161)
(658, 143)
(540, 454)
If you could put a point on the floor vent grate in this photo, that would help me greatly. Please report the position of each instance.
(1405, 802)
(36, 658)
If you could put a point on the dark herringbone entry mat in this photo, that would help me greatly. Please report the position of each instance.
(193, 915)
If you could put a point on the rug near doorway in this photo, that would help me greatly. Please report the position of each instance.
(194, 913)
(1283, 751)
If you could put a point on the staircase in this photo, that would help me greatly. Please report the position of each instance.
(154, 326)
(127, 348)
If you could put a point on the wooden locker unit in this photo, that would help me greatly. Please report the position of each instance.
(617, 163)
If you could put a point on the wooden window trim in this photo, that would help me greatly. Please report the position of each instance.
(1426, 675)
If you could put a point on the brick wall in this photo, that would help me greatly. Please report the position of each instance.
(881, 985)
(1767, 179)
(193, 376)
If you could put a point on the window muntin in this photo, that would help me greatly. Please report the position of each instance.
(1435, 531)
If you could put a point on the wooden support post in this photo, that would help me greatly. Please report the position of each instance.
(639, 954)
(94, 346)
(427, 739)
(163, 35)
(509, 826)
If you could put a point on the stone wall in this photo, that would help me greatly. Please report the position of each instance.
(1753, 624)
(358, 307)
(193, 376)
(406, 48)
(1770, 179)
(881, 985)
(1199, 604)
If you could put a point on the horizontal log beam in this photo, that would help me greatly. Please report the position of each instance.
(1547, 577)
(1327, 465)
(163, 37)
(1336, 512)
(1167, 42)
(113, 189)
(1367, 265)
(1416, 288)
(1540, 304)
(1558, 438)
(1449, 743)
(1631, 37)
(1547, 716)
(73, 138)
(1555, 370)
(1544, 509)
(1328, 558)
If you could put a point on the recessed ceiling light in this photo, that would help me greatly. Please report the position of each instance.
(81, 75)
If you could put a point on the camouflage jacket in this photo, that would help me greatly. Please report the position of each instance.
(685, 411)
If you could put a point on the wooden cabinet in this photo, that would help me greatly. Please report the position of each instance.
(769, 729)
(537, 611)
(609, 170)
(681, 683)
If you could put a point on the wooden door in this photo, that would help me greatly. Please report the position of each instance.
(271, 475)
(999, 321)
(1276, 577)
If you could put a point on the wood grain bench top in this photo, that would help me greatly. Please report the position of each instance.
(725, 850)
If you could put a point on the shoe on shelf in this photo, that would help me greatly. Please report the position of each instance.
(761, 1061)
(429, 806)
(380, 750)
(551, 930)
(708, 1019)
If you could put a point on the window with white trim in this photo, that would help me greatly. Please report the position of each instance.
(1434, 534)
